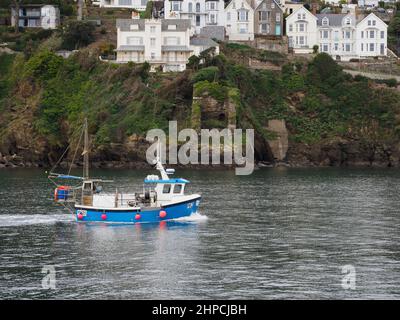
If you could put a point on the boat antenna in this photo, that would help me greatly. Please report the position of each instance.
(86, 152)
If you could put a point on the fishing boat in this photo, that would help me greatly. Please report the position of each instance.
(161, 197)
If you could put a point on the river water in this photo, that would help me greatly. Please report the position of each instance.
(277, 234)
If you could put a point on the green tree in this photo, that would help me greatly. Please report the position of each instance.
(77, 34)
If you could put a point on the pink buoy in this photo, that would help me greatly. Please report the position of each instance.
(137, 216)
(80, 216)
(103, 216)
(163, 214)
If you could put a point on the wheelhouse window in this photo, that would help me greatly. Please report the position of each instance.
(166, 188)
(177, 188)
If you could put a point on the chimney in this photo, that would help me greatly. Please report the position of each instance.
(314, 8)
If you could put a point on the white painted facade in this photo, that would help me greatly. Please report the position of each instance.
(164, 43)
(301, 29)
(37, 16)
(239, 21)
(368, 3)
(130, 4)
(201, 13)
(337, 35)
(371, 37)
(342, 36)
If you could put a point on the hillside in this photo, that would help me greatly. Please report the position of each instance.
(331, 118)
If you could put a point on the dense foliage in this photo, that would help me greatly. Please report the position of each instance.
(317, 100)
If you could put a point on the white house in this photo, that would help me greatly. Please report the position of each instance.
(337, 35)
(343, 36)
(201, 13)
(371, 37)
(368, 3)
(131, 4)
(164, 43)
(37, 16)
(301, 29)
(239, 20)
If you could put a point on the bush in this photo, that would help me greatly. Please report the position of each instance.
(210, 74)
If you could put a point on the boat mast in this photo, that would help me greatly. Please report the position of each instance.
(86, 152)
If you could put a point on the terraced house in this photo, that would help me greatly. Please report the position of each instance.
(131, 4)
(201, 13)
(268, 18)
(343, 36)
(239, 20)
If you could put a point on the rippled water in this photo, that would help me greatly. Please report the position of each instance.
(279, 233)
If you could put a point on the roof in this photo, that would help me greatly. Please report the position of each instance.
(181, 24)
(334, 19)
(175, 48)
(130, 48)
(177, 180)
(213, 32)
(203, 41)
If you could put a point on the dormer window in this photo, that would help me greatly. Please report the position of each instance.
(134, 27)
(348, 21)
(325, 21)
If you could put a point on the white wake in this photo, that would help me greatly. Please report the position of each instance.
(11, 220)
(194, 217)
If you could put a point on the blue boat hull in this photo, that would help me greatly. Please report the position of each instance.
(134, 215)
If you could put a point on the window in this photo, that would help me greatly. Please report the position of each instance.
(382, 34)
(348, 21)
(272, 5)
(152, 29)
(301, 41)
(152, 42)
(336, 46)
(290, 27)
(134, 41)
(264, 28)
(304, 16)
(372, 34)
(125, 2)
(263, 15)
(278, 17)
(134, 27)
(166, 188)
(371, 47)
(172, 27)
(374, 22)
(347, 35)
(190, 7)
(382, 48)
(176, 5)
(325, 34)
(325, 21)
(197, 20)
(197, 7)
(228, 16)
(369, 22)
(299, 16)
(143, 3)
(301, 27)
(362, 34)
(362, 46)
(243, 28)
(177, 188)
(242, 15)
(347, 47)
